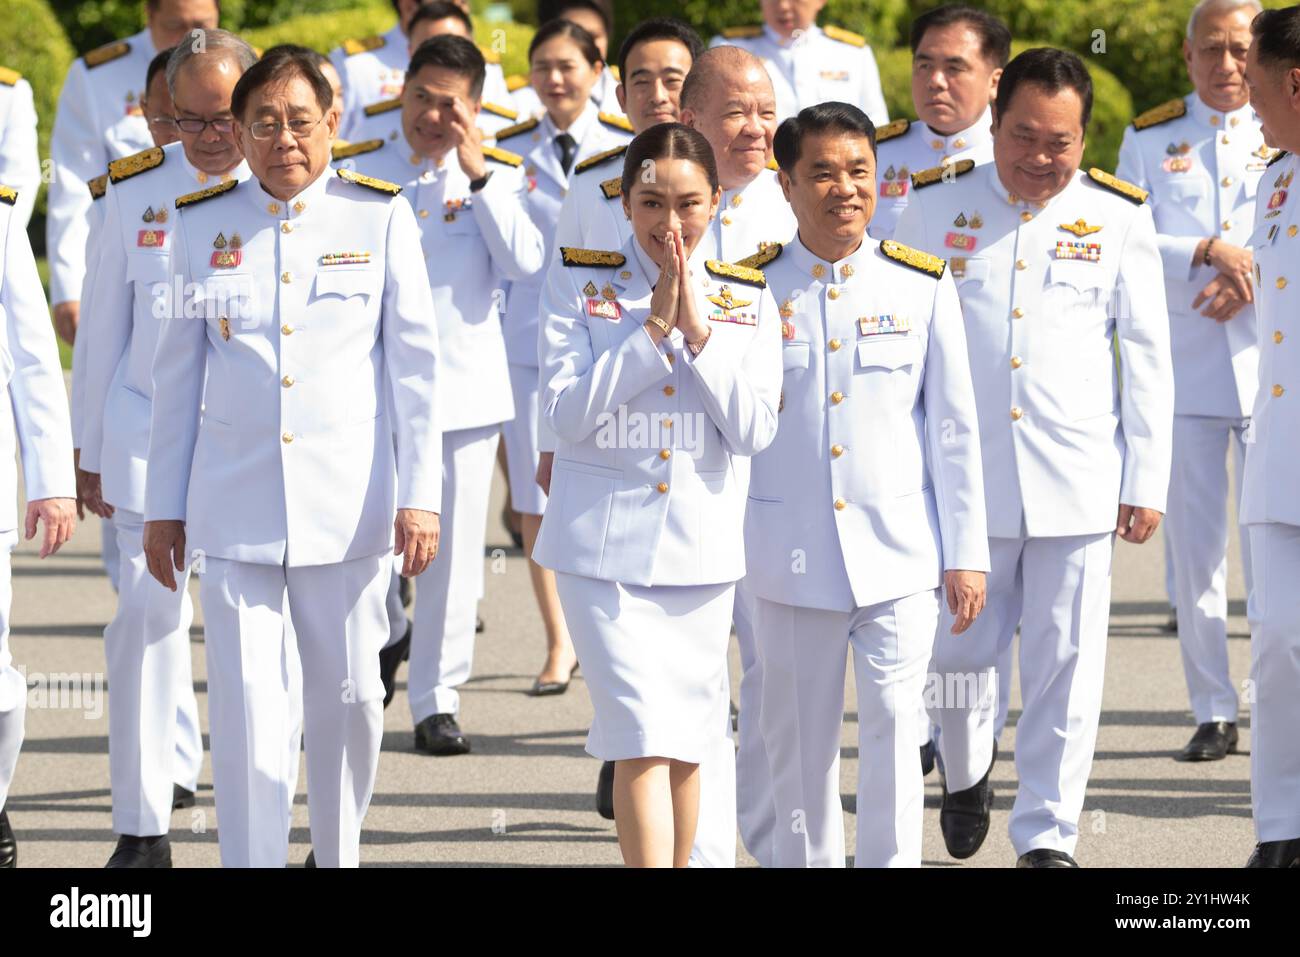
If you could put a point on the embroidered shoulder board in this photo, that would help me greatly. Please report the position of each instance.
(600, 158)
(614, 70)
(502, 111)
(1278, 157)
(107, 53)
(364, 45)
(378, 185)
(773, 165)
(8, 195)
(516, 81)
(616, 120)
(845, 36)
(383, 106)
(503, 156)
(489, 55)
(189, 199)
(9, 77)
(736, 271)
(518, 128)
(344, 150)
(135, 164)
(1133, 194)
(892, 130)
(1163, 113)
(98, 186)
(921, 262)
(762, 257)
(612, 188)
(928, 177)
(573, 256)
(743, 33)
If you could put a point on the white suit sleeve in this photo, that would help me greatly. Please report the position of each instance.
(872, 94)
(1176, 252)
(79, 344)
(78, 152)
(20, 163)
(500, 208)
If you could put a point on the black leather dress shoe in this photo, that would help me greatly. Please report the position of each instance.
(927, 758)
(135, 851)
(181, 797)
(1276, 854)
(605, 791)
(439, 734)
(310, 863)
(1213, 741)
(8, 843)
(1046, 857)
(964, 816)
(390, 659)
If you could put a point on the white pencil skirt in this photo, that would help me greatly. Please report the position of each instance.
(654, 660)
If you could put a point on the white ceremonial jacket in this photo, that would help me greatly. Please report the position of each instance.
(20, 164)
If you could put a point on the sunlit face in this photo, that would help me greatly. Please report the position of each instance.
(159, 111)
(286, 164)
(335, 81)
(952, 83)
(738, 118)
(427, 29)
(203, 90)
(787, 17)
(1275, 97)
(651, 91)
(676, 197)
(833, 189)
(562, 78)
(428, 107)
(590, 21)
(175, 20)
(1216, 58)
(1038, 144)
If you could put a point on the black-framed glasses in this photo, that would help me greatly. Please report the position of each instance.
(190, 124)
(271, 129)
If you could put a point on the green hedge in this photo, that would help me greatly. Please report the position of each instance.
(1112, 105)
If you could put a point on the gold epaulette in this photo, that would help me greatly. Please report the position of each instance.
(921, 262)
(502, 111)
(98, 186)
(892, 130)
(617, 121)
(8, 195)
(1134, 194)
(736, 271)
(503, 156)
(344, 150)
(189, 199)
(107, 53)
(573, 256)
(135, 164)
(384, 106)
(743, 33)
(928, 177)
(378, 185)
(614, 71)
(1163, 113)
(1278, 157)
(600, 158)
(516, 81)
(518, 128)
(761, 258)
(845, 36)
(9, 77)
(365, 45)
(612, 188)
(489, 55)
(773, 165)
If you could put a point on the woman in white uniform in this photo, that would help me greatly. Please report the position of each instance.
(564, 63)
(660, 371)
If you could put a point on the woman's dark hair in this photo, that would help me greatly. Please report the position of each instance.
(569, 29)
(451, 53)
(659, 28)
(830, 117)
(1051, 70)
(277, 65)
(668, 141)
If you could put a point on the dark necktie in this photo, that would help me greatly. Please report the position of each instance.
(567, 147)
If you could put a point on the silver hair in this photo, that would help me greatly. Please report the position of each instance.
(221, 44)
(1218, 6)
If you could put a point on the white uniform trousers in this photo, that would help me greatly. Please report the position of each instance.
(755, 810)
(13, 683)
(1171, 587)
(1196, 528)
(108, 551)
(929, 731)
(522, 442)
(803, 652)
(1057, 589)
(153, 717)
(1274, 611)
(446, 607)
(339, 625)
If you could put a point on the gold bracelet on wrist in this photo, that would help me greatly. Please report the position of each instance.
(663, 326)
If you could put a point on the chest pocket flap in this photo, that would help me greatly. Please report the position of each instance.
(1083, 276)
(345, 281)
(889, 352)
(977, 270)
(147, 267)
(794, 355)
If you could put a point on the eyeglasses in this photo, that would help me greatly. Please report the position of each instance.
(268, 129)
(191, 125)
(163, 122)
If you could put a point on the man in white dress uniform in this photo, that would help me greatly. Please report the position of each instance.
(1202, 157)
(869, 501)
(20, 165)
(35, 420)
(294, 430)
(1059, 272)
